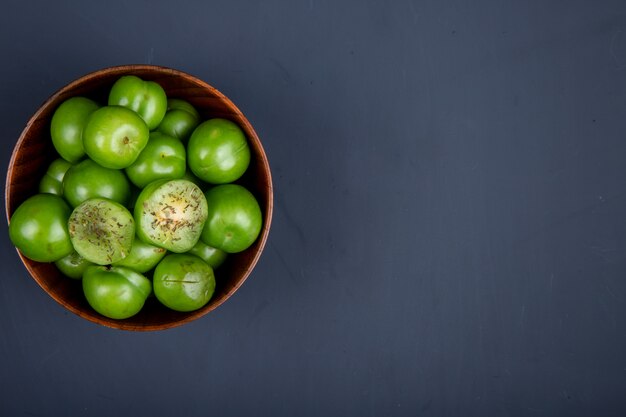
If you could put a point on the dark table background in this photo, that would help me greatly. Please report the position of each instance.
(449, 236)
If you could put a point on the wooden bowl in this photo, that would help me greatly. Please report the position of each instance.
(34, 152)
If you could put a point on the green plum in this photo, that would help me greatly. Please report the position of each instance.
(142, 257)
(73, 265)
(212, 256)
(67, 125)
(115, 136)
(162, 158)
(102, 231)
(183, 282)
(234, 218)
(171, 214)
(115, 292)
(218, 151)
(87, 180)
(52, 181)
(180, 119)
(146, 98)
(38, 228)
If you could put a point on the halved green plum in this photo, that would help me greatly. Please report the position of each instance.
(171, 214)
(102, 231)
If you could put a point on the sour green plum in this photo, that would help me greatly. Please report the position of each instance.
(115, 292)
(52, 181)
(183, 282)
(218, 151)
(38, 228)
(146, 98)
(234, 218)
(67, 125)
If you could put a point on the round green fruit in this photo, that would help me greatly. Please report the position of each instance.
(115, 292)
(87, 180)
(67, 125)
(52, 181)
(142, 257)
(212, 256)
(38, 228)
(183, 282)
(73, 265)
(162, 158)
(115, 136)
(146, 98)
(218, 152)
(180, 119)
(234, 218)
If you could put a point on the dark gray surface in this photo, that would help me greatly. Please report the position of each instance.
(449, 235)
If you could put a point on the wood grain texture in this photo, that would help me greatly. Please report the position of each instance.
(34, 152)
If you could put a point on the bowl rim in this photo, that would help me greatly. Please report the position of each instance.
(128, 69)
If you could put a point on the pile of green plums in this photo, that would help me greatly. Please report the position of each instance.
(143, 188)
